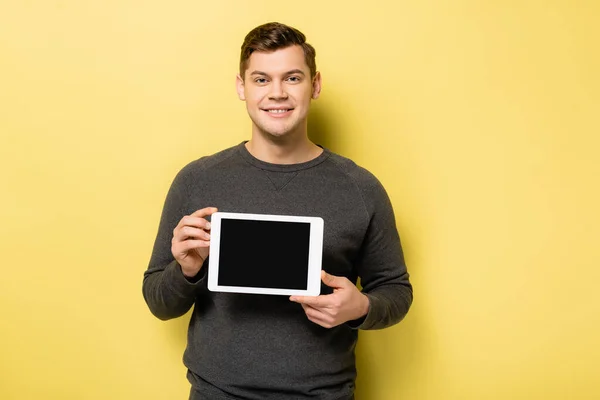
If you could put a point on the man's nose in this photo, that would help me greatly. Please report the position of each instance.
(277, 91)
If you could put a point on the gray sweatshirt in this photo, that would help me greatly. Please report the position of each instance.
(260, 347)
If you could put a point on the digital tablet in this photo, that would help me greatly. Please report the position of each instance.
(265, 254)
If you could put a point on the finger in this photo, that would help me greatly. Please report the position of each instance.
(312, 301)
(186, 246)
(195, 222)
(306, 307)
(334, 281)
(313, 313)
(318, 317)
(322, 301)
(204, 212)
(188, 232)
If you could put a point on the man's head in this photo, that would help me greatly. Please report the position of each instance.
(275, 36)
(278, 79)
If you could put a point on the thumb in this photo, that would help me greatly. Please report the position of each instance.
(332, 280)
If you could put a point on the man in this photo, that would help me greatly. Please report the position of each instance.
(246, 346)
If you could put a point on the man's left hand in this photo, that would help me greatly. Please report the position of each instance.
(346, 303)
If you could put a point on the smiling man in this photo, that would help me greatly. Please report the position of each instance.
(274, 347)
(278, 87)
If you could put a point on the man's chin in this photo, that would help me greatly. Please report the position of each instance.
(279, 131)
(277, 136)
(275, 133)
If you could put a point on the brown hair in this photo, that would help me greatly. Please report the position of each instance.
(274, 36)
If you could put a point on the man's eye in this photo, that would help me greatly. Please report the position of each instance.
(294, 79)
(260, 80)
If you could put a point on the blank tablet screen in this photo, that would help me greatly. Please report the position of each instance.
(267, 254)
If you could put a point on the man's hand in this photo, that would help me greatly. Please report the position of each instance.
(191, 241)
(346, 303)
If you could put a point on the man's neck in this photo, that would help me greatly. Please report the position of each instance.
(287, 150)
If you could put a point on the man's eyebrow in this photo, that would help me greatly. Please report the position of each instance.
(294, 71)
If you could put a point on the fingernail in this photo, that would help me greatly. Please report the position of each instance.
(208, 225)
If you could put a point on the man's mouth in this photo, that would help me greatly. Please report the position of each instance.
(277, 110)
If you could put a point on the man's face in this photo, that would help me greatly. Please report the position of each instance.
(277, 88)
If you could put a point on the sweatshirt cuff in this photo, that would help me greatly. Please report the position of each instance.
(369, 320)
(181, 285)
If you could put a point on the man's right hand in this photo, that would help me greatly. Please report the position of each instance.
(191, 241)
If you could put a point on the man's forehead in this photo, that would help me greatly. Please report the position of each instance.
(278, 61)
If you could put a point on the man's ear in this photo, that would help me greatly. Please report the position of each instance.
(316, 86)
(239, 84)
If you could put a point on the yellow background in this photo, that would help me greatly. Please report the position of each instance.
(480, 117)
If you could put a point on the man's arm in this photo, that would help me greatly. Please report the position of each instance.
(168, 293)
(381, 266)
(387, 292)
(166, 289)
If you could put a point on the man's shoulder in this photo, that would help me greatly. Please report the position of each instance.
(207, 162)
(368, 185)
(359, 174)
(194, 171)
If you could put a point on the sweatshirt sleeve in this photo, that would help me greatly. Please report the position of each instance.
(168, 293)
(381, 267)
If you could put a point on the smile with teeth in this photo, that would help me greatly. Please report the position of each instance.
(278, 111)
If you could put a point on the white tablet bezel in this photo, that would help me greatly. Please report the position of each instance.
(315, 254)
